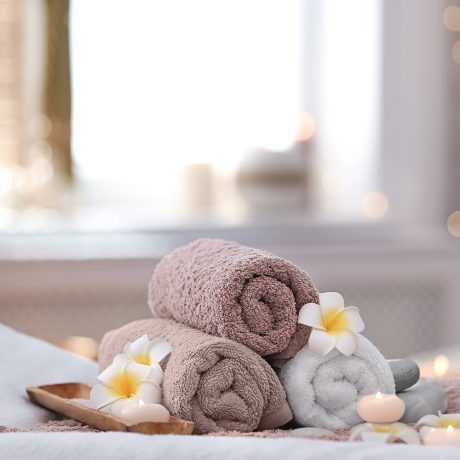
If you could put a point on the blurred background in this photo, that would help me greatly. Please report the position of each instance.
(326, 131)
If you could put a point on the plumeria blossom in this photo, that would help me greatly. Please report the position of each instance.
(426, 423)
(126, 382)
(333, 324)
(383, 433)
(148, 352)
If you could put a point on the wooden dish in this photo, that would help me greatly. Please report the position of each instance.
(59, 397)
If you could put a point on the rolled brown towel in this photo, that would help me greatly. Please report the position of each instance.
(219, 384)
(229, 290)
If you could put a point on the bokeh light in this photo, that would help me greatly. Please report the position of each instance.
(307, 127)
(375, 205)
(451, 18)
(453, 224)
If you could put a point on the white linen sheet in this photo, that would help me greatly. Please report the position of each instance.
(121, 446)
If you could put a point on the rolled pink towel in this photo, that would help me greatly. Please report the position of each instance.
(218, 384)
(229, 290)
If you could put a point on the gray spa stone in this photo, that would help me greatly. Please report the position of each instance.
(422, 399)
(405, 372)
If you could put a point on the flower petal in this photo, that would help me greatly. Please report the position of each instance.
(118, 406)
(321, 343)
(376, 437)
(428, 420)
(355, 322)
(156, 374)
(123, 370)
(355, 433)
(149, 393)
(424, 430)
(331, 301)
(310, 315)
(137, 347)
(158, 349)
(346, 343)
(408, 435)
(102, 396)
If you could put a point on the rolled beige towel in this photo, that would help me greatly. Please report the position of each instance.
(219, 384)
(234, 291)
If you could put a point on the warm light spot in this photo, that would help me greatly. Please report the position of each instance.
(307, 127)
(441, 365)
(378, 395)
(82, 346)
(375, 205)
(141, 402)
(451, 18)
(453, 224)
(456, 52)
(447, 422)
(450, 429)
(334, 182)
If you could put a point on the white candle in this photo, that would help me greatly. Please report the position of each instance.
(442, 437)
(139, 413)
(380, 408)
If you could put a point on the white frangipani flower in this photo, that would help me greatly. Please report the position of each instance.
(126, 382)
(426, 423)
(333, 324)
(385, 433)
(148, 352)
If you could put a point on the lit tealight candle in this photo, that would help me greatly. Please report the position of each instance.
(380, 408)
(442, 437)
(139, 413)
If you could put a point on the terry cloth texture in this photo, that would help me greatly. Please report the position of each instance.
(219, 384)
(233, 291)
(323, 391)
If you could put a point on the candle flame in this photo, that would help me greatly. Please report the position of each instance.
(440, 365)
(450, 429)
(141, 402)
(378, 395)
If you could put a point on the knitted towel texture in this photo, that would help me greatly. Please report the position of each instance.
(233, 291)
(219, 384)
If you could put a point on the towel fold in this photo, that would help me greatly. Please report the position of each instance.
(219, 384)
(323, 391)
(233, 291)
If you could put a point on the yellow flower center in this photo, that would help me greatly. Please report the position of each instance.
(334, 320)
(385, 429)
(142, 359)
(445, 423)
(124, 385)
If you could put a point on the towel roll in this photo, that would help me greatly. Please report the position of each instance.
(233, 291)
(323, 391)
(216, 383)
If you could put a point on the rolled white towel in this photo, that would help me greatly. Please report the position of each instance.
(323, 391)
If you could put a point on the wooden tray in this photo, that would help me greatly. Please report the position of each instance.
(59, 397)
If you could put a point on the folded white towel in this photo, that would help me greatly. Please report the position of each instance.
(323, 391)
(27, 361)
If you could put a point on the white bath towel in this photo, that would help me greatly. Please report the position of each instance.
(323, 391)
(27, 361)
